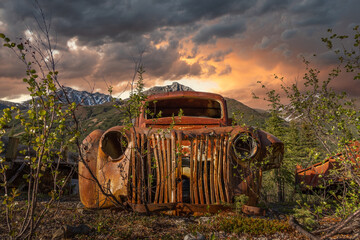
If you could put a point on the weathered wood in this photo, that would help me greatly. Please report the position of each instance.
(294, 224)
(158, 175)
(195, 177)
(173, 167)
(206, 185)
(220, 175)
(179, 167)
(217, 142)
(342, 224)
(225, 172)
(229, 172)
(200, 170)
(212, 190)
(169, 173)
(192, 152)
(165, 169)
(149, 171)
(161, 166)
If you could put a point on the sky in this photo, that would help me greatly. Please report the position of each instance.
(223, 46)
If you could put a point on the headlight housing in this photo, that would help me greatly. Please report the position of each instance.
(245, 146)
(114, 144)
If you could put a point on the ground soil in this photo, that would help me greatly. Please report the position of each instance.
(122, 224)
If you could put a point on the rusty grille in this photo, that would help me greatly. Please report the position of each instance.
(156, 168)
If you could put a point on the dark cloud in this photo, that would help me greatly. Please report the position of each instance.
(226, 28)
(210, 9)
(265, 6)
(316, 12)
(288, 33)
(78, 64)
(109, 34)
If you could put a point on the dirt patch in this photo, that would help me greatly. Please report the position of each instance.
(117, 224)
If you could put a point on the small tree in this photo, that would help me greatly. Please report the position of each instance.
(330, 118)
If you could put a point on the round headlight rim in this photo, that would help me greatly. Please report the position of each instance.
(255, 146)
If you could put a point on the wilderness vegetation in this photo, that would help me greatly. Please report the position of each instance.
(323, 122)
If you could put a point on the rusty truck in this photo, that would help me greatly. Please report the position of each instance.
(197, 161)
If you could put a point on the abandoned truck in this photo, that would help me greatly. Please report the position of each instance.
(195, 161)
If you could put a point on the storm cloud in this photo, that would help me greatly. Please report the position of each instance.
(209, 40)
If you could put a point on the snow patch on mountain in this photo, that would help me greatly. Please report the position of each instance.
(83, 97)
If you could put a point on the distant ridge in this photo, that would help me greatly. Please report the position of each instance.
(84, 98)
(7, 104)
(174, 87)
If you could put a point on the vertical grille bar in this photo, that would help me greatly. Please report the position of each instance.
(164, 164)
(179, 168)
(191, 157)
(168, 163)
(229, 172)
(220, 175)
(224, 167)
(216, 182)
(158, 149)
(199, 159)
(212, 159)
(149, 170)
(158, 175)
(173, 167)
(206, 185)
(195, 176)
(160, 157)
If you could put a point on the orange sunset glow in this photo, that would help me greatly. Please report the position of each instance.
(224, 47)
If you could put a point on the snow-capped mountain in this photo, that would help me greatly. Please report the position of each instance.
(174, 87)
(83, 97)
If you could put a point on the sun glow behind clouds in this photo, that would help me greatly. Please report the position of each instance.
(18, 98)
(71, 44)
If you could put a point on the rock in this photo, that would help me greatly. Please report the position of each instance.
(80, 208)
(203, 219)
(192, 237)
(67, 231)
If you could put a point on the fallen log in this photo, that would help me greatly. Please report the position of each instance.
(299, 228)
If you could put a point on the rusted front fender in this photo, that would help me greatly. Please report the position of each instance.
(104, 170)
(272, 150)
(87, 169)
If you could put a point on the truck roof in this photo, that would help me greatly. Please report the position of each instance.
(186, 94)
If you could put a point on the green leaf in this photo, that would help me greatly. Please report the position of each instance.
(20, 46)
(42, 112)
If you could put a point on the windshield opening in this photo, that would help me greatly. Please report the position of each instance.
(192, 107)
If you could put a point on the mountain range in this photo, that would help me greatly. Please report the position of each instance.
(96, 110)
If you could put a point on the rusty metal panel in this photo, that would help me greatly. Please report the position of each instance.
(312, 175)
